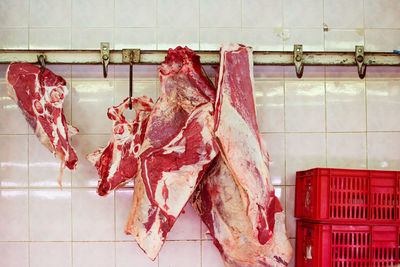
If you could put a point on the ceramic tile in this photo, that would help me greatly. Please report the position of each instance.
(268, 72)
(346, 150)
(91, 72)
(145, 38)
(344, 14)
(14, 160)
(140, 72)
(99, 254)
(189, 254)
(260, 13)
(86, 38)
(187, 226)
(384, 40)
(50, 254)
(205, 232)
(302, 13)
(382, 13)
(50, 214)
(310, 72)
(262, 39)
(182, 13)
(280, 193)
(276, 150)
(91, 98)
(14, 13)
(50, 13)
(343, 40)
(290, 219)
(130, 252)
(39, 38)
(144, 13)
(86, 174)
(171, 38)
(342, 72)
(304, 151)
(223, 13)
(139, 89)
(210, 255)
(44, 168)
(305, 110)
(270, 105)
(383, 105)
(212, 39)
(123, 202)
(14, 38)
(14, 215)
(14, 254)
(383, 72)
(311, 39)
(345, 106)
(102, 17)
(92, 216)
(383, 151)
(63, 71)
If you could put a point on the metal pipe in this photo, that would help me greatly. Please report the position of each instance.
(206, 57)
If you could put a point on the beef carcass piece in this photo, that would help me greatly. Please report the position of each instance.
(177, 148)
(219, 203)
(40, 96)
(117, 163)
(239, 140)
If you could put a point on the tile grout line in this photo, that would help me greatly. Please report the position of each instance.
(156, 28)
(29, 213)
(198, 20)
(326, 120)
(366, 123)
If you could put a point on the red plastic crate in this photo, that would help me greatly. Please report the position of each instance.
(348, 196)
(324, 245)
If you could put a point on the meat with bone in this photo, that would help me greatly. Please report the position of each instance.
(219, 203)
(178, 147)
(239, 140)
(40, 96)
(117, 163)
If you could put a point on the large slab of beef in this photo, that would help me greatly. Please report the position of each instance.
(219, 203)
(178, 147)
(40, 96)
(117, 163)
(236, 199)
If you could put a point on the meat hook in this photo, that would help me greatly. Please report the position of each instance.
(42, 63)
(362, 68)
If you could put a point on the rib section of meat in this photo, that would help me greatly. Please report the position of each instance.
(178, 147)
(40, 96)
(219, 203)
(239, 140)
(117, 163)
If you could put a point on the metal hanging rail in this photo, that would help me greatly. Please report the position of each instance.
(298, 58)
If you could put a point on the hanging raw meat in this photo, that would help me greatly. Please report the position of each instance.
(235, 198)
(40, 96)
(117, 163)
(239, 140)
(220, 205)
(178, 147)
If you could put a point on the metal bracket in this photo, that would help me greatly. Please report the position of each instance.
(298, 60)
(360, 61)
(131, 56)
(42, 62)
(105, 57)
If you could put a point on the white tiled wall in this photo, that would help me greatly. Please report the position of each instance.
(329, 118)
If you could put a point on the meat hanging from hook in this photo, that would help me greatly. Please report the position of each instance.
(130, 84)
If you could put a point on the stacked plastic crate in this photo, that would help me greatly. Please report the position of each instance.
(348, 218)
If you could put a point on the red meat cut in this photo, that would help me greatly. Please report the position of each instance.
(40, 96)
(117, 163)
(219, 203)
(178, 147)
